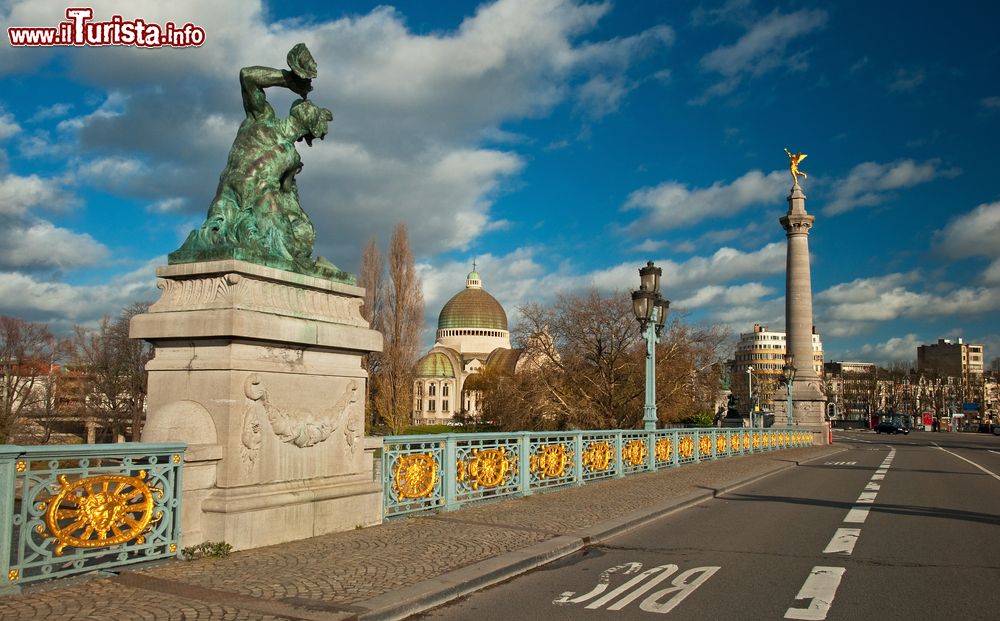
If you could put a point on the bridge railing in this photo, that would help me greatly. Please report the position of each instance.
(78, 508)
(442, 472)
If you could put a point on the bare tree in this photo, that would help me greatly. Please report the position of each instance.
(27, 352)
(373, 310)
(404, 311)
(593, 369)
(688, 373)
(113, 368)
(588, 370)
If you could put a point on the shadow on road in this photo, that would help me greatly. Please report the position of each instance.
(901, 510)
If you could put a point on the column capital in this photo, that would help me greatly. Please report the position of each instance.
(797, 224)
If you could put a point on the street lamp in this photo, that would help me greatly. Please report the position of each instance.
(789, 371)
(750, 392)
(651, 311)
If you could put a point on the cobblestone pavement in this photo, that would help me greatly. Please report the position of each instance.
(333, 576)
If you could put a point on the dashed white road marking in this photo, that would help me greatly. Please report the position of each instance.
(874, 487)
(995, 476)
(992, 451)
(857, 515)
(843, 541)
(867, 498)
(820, 588)
(878, 477)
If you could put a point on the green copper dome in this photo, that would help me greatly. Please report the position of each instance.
(472, 308)
(434, 364)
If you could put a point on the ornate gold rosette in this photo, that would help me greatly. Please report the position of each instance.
(734, 443)
(756, 440)
(705, 446)
(597, 456)
(685, 447)
(746, 441)
(100, 511)
(487, 468)
(551, 460)
(720, 444)
(663, 449)
(414, 476)
(634, 452)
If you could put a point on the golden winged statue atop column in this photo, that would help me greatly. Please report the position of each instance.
(793, 165)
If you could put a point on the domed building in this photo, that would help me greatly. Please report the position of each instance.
(472, 332)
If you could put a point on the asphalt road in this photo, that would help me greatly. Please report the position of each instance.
(895, 527)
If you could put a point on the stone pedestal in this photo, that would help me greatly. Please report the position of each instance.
(260, 371)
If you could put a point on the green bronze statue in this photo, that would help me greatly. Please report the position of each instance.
(255, 215)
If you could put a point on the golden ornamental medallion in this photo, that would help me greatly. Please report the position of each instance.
(100, 511)
(486, 468)
(414, 476)
(551, 460)
(634, 452)
(597, 456)
(685, 447)
(663, 449)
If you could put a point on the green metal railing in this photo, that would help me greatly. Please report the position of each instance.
(442, 472)
(71, 509)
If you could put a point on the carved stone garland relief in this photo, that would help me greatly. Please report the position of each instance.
(301, 429)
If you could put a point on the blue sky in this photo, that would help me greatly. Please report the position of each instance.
(561, 144)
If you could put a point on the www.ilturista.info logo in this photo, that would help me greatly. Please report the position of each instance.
(80, 30)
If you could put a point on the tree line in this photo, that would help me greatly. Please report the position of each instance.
(52, 384)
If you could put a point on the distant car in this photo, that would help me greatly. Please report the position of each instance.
(996, 430)
(890, 426)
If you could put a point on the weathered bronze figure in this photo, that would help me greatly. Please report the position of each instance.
(255, 215)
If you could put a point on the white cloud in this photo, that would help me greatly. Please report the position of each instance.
(674, 205)
(63, 305)
(870, 183)
(897, 348)
(54, 111)
(762, 49)
(8, 126)
(405, 144)
(906, 80)
(42, 245)
(990, 104)
(887, 298)
(718, 296)
(20, 194)
(168, 205)
(976, 233)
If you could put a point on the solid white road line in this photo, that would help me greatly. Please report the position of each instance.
(967, 460)
(820, 587)
(857, 515)
(843, 541)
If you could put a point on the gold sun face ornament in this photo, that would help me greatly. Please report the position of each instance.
(414, 476)
(100, 511)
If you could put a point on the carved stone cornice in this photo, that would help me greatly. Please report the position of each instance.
(247, 292)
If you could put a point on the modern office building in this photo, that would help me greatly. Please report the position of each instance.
(763, 351)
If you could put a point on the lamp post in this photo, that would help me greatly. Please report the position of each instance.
(650, 310)
(789, 371)
(750, 392)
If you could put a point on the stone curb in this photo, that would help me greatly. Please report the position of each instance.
(402, 603)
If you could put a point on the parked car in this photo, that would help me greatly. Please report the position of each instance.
(891, 426)
(996, 430)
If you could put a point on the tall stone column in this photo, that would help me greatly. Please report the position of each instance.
(808, 397)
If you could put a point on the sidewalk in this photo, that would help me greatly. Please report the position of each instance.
(399, 568)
